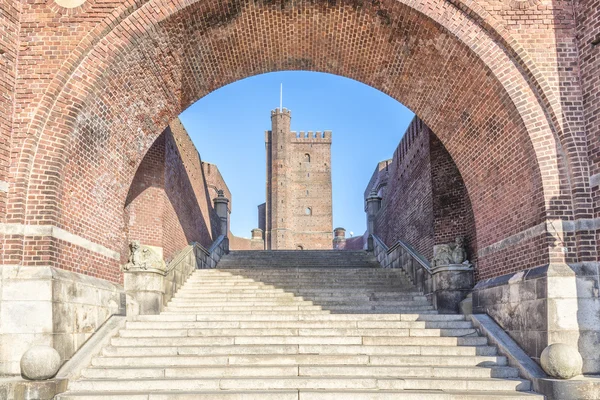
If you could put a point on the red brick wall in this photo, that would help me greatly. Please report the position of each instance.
(407, 202)
(145, 204)
(452, 211)
(588, 18)
(239, 243)
(425, 201)
(215, 182)
(9, 36)
(98, 84)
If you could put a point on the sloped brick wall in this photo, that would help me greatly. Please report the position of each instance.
(425, 201)
(170, 199)
(10, 12)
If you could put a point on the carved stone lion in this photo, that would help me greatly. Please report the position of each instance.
(143, 258)
(450, 253)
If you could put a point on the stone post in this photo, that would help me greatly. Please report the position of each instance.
(339, 238)
(372, 208)
(222, 209)
(257, 242)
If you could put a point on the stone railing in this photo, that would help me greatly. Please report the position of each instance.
(149, 291)
(446, 286)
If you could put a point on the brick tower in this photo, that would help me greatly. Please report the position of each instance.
(298, 210)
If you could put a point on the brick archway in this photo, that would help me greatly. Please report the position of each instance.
(85, 143)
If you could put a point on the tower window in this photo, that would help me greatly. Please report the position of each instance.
(308, 211)
(307, 157)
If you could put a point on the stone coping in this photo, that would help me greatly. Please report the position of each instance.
(17, 388)
(452, 267)
(583, 387)
(524, 275)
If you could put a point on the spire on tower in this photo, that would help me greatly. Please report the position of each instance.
(281, 98)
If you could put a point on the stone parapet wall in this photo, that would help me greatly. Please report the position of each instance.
(50, 306)
(554, 303)
(240, 243)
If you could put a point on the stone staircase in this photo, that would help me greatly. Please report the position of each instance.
(303, 326)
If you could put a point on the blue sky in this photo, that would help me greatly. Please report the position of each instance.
(228, 126)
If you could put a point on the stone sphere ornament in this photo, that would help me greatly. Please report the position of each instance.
(40, 363)
(561, 361)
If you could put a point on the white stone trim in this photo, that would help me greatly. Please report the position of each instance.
(529, 233)
(595, 180)
(58, 233)
(584, 224)
(555, 226)
(4, 186)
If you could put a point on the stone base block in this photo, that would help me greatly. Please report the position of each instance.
(451, 285)
(21, 389)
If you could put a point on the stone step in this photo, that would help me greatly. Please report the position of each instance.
(307, 265)
(275, 383)
(250, 302)
(236, 332)
(245, 340)
(259, 295)
(257, 371)
(306, 279)
(351, 350)
(299, 324)
(356, 291)
(417, 361)
(299, 274)
(421, 310)
(333, 286)
(206, 290)
(305, 293)
(289, 295)
(304, 394)
(237, 312)
(276, 272)
(314, 279)
(200, 308)
(299, 316)
(366, 304)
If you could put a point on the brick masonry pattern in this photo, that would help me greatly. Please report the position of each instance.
(86, 92)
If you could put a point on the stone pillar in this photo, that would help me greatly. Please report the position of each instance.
(222, 209)
(257, 242)
(372, 208)
(339, 238)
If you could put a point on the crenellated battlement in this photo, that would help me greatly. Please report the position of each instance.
(283, 111)
(302, 136)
